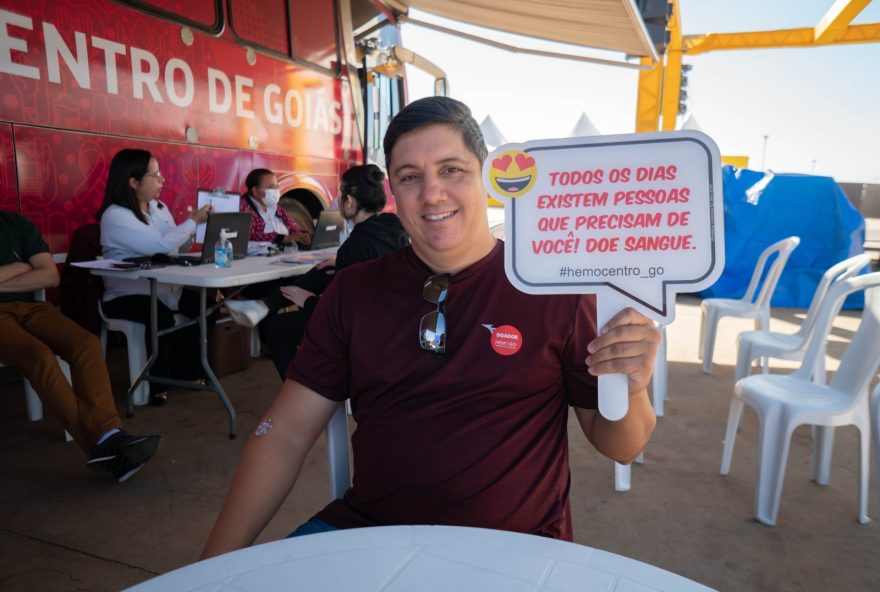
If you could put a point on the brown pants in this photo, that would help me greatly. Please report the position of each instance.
(31, 335)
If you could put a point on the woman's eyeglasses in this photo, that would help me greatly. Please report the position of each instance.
(432, 329)
(157, 174)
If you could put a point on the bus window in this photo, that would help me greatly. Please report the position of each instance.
(203, 14)
(256, 22)
(313, 26)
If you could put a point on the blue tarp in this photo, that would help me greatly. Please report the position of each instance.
(760, 210)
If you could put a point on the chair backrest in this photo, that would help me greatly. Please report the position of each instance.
(840, 271)
(862, 356)
(80, 289)
(338, 453)
(782, 250)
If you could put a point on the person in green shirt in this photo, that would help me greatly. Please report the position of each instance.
(35, 332)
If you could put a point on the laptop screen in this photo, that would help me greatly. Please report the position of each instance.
(330, 231)
(235, 222)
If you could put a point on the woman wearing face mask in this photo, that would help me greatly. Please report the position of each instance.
(270, 222)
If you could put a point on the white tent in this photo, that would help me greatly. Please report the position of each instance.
(692, 124)
(584, 127)
(493, 136)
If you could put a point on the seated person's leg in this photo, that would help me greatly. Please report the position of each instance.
(95, 408)
(284, 332)
(36, 362)
(252, 312)
(88, 415)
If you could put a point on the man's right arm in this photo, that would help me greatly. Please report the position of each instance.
(40, 274)
(11, 270)
(269, 466)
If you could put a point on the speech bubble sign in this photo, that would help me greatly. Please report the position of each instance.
(633, 218)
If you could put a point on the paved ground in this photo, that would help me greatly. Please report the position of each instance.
(64, 528)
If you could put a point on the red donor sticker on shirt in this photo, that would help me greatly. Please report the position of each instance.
(506, 340)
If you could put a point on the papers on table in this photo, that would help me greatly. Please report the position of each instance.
(220, 202)
(309, 257)
(113, 264)
(259, 248)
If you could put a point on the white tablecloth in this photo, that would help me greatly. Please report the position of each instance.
(419, 559)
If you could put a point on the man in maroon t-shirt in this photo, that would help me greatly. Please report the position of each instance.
(464, 422)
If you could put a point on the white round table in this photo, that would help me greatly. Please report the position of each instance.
(419, 558)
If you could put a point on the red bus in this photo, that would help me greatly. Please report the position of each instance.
(213, 88)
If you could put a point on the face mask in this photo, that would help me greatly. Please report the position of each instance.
(271, 198)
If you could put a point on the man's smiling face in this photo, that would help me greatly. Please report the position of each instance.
(440, 196)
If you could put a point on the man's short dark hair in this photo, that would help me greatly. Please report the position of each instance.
(431, 111)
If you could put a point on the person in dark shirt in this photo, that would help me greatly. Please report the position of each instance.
(35, 332)
(460, 385)
(362, 199)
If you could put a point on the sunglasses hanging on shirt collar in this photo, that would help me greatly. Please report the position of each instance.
(432, 329)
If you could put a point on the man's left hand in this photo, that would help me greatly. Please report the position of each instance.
(626, 345)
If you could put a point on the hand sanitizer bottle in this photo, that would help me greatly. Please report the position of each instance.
(223, 250)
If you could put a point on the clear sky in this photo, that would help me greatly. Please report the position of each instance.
(819, 107)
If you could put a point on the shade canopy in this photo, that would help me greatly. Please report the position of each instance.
(614, 25)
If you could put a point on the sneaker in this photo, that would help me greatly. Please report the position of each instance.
(122, 454)
(158, 399)
(247, 312)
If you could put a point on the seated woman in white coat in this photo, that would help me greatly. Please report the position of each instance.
(134, 223)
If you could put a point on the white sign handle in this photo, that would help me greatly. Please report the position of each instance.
(613, 388)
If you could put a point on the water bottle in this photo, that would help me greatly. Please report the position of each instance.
(223, 249)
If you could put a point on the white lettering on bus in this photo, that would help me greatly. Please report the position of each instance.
(141, 78)
(8, 44)
(289, 98)
(337, 118)
(312, 108)
(273, 110)
(320, 121)
(243, 84)
(55, 46)
(111, 50)
(176, 64)
(215, 76)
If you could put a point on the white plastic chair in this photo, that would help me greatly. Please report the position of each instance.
(791, 346)
(754, 304)
(256, 346)
(875, 424)
(338, 453)
(135, 335)
(784, 402)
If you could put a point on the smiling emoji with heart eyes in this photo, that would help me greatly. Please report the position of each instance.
(513, 173)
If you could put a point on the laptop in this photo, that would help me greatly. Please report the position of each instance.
(330, 231)
(236, 222)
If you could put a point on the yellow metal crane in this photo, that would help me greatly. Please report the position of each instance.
(659, 86)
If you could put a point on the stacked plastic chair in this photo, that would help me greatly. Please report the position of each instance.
(784, 402)
(752, 345)
(754, 304)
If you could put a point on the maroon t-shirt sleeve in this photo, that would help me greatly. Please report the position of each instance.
(321, 362)
(581, 386)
